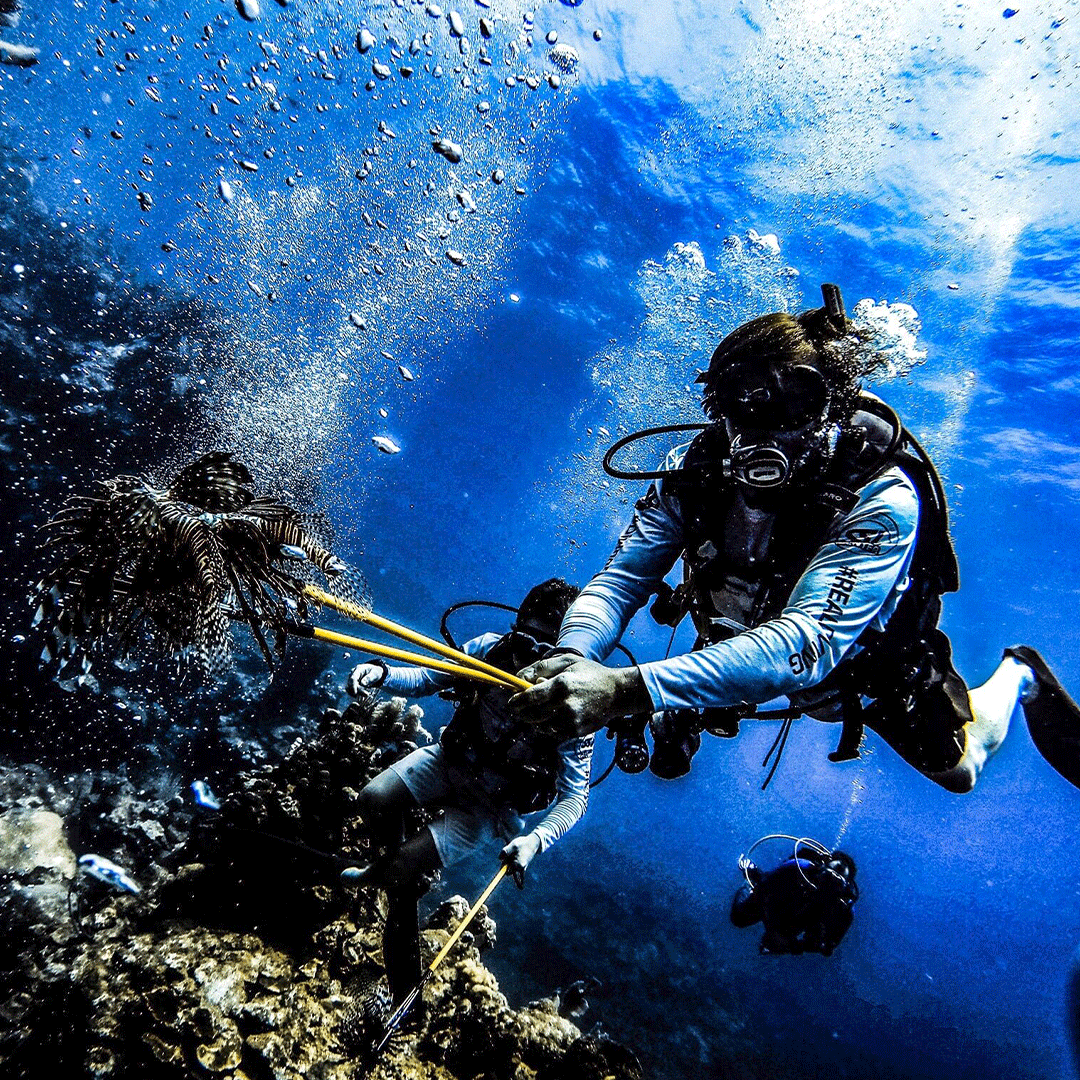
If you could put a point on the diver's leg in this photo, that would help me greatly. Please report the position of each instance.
(992, 706)
(445, 841)
(401, 940)
(415, 858)
(401, 934)
(382, 806)
(419, 779)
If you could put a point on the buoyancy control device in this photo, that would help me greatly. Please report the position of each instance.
(897, 663)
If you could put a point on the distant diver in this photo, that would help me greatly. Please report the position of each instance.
(573, 1001)
(485, 773)
(813, 530)
(806, 904)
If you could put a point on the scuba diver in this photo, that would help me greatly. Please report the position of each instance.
(805, 904)
(487, 771)
(814, 536)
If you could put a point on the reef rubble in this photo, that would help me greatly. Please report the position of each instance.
(241, 956)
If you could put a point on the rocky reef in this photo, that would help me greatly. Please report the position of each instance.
(227, 947)
(241, 956)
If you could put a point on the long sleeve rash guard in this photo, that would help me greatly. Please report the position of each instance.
(575, 755)
(854, 581)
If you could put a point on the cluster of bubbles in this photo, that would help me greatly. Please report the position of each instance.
(886, 337)
(340, 185)
(649, 379)
(397, 240)
(688, 308)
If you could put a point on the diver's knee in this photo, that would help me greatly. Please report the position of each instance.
(369, 805)
(385, 796)
(379, 813)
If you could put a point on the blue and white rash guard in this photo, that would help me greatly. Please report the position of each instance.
(854, 581)
(575, 755)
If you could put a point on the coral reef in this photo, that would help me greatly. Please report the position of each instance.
(241, 956)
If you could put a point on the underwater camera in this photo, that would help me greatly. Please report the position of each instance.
(631, 750)
(676, 736)
(676, 739)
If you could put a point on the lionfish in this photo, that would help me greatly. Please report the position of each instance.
(363, 1020)
(172, 568)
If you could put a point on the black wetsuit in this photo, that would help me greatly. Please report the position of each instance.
(803, 906)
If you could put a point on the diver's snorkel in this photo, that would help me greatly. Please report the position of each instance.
(834, 307)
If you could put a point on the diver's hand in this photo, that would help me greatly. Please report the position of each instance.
(365, 675)
(518, 854)
(579, 696)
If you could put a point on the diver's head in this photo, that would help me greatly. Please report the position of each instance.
(841, 864)
(541, 612)
(783, 391)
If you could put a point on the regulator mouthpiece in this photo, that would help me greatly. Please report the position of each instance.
(760, 466)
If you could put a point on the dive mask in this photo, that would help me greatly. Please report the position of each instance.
(774, 417)
(780, 397)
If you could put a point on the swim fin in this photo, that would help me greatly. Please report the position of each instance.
(1053, 718)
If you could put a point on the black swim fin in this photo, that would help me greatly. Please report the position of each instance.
(1053, 718)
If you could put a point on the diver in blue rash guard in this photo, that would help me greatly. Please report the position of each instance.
(814, 537)
(487, 771)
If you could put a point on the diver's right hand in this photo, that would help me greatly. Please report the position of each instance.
(574, 696)
(366, 675)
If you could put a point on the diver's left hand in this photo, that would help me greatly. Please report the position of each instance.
(518, 854)
(579, 696)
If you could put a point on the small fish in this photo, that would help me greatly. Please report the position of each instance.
(101, 868)
(204, 796)
(405, 373)
(386, 444)
(291, 551)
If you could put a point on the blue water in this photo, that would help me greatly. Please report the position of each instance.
(897, 150)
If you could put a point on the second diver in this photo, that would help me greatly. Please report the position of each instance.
(487, 774)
